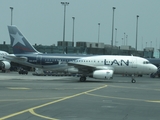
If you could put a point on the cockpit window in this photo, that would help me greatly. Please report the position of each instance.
(146, 62)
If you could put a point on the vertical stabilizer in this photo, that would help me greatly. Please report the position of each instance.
(19, 43)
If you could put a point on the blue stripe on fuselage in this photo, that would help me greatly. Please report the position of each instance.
(50, 59)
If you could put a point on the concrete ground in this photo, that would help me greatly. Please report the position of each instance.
(28, 97)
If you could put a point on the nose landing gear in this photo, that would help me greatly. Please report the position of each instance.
(133, 80)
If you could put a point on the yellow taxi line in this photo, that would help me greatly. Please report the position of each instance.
(49, 103)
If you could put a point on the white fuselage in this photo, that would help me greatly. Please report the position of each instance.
(5, 64)
(2, 54)
(119, 64)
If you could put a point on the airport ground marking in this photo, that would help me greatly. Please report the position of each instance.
(154, 101)
(132, 87)
(18, 88)
(120, 98)
(41, 116)
(49, 103)
(34, 99)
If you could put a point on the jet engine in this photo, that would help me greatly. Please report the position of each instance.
(6, 65)
(103, 74)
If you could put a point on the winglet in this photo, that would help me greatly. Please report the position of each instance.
(19, 43)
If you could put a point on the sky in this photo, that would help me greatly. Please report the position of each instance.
(41, 21)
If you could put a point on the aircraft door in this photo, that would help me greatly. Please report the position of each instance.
(39, 59)
(134, 62)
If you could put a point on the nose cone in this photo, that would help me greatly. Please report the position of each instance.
(153, 68)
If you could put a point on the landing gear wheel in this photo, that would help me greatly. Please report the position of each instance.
(82, 79)
(152, 75)
(133, 81)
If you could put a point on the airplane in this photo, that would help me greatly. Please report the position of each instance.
(96, 66)
(156, 62)
(5, 64)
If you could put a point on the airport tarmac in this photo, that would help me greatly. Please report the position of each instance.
(28, 97)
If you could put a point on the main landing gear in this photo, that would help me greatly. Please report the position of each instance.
(133, 80)
(82, 79)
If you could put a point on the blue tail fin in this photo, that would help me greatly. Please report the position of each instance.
(19, 43)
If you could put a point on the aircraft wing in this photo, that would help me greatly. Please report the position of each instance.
(86, 69)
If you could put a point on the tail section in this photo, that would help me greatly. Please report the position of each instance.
(19, 43)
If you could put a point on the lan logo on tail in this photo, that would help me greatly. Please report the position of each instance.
(17, 38)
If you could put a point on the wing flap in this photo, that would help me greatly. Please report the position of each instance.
(89, 68)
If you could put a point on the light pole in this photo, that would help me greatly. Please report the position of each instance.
(142, 43)
(115, 36)
(73, 32)
(98, 32)
(124, 38)
(112, 28)
(146, 44)
(64, 4)
(137, 31)
(11, 14)
(159, 52)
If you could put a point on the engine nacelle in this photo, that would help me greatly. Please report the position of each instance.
(103, 74)
(6, 65)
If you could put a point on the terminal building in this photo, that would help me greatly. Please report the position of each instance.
(87, 48)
